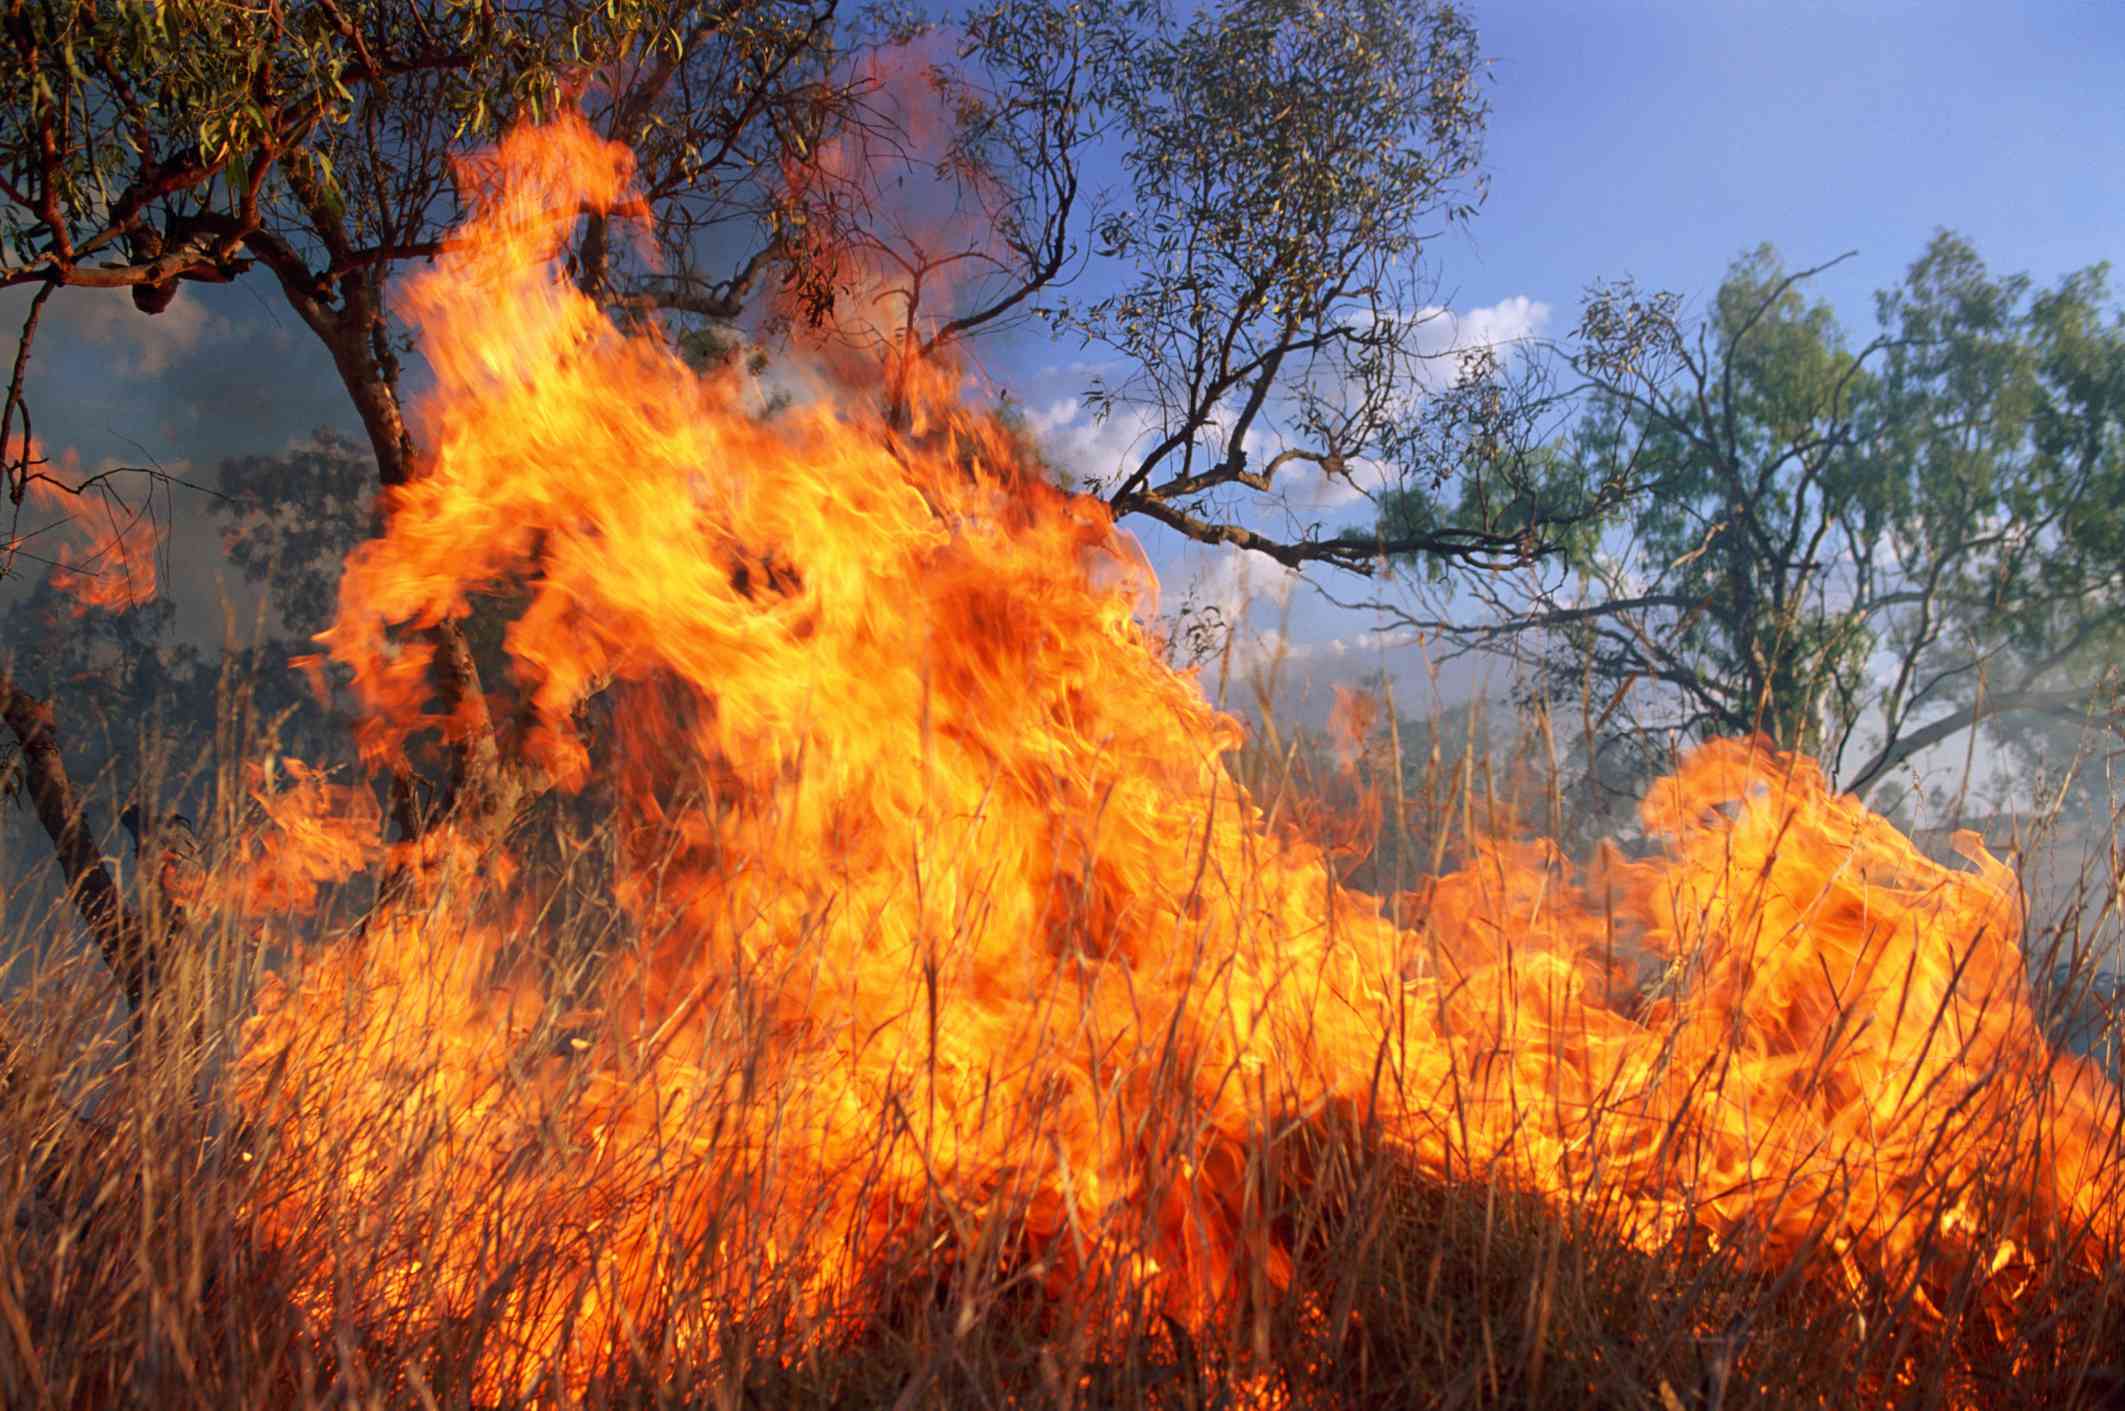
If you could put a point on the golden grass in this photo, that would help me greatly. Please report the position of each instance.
(132, 1274)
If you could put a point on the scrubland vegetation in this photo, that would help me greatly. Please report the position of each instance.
(707, 891)
(136, 1274)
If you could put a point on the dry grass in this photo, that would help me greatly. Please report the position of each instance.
(134, 1275)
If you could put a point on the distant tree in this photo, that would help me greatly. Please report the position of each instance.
(289, 518)
(1859, 551)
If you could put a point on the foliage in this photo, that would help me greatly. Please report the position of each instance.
(142, 697)
(1266, 289)
(277, 538)
(143, 143)
(1858, 551)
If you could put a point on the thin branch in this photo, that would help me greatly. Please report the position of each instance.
(1976, 713)
(16, 469)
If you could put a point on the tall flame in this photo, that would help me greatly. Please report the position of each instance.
(946, 900)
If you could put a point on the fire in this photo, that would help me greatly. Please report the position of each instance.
(103, 549)
(947, 908)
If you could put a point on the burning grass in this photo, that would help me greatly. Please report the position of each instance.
(152, 1264)
(907, 1005)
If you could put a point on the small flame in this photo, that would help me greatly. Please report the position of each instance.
(946, 899)
(103, 549)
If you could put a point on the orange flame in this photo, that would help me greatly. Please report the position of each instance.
(104, 556)
(945, 899)
(312, 834)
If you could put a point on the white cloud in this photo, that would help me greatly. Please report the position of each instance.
(1235, 579)
(1318, 491)
(147, 345)
(1096, 449)
(1500, 325)
(1087, 446)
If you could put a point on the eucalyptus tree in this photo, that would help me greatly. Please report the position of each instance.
(1267, 286)
(1859, 549)
(148, 142)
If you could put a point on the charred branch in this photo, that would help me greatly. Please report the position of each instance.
(120, 934)
(15, 464)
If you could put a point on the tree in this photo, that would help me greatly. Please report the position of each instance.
(1260, 302)
(808, 175)
(147, 143)
(142, 144)
(1271, 297)
(1859, 552)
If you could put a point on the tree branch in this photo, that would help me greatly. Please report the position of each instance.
(16, 469)
(1976, 713)
(119, 932)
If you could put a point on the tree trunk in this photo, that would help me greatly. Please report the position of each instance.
(120, 933)
(476, 793)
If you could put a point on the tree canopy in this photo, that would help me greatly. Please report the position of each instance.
(1255, 303)
(1859, 549)
(143, 144)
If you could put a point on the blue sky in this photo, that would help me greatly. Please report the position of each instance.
(1661, 140)
(1656, 140)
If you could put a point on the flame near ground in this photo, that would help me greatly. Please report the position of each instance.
(944, 901)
